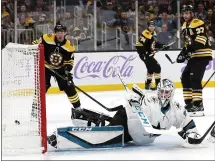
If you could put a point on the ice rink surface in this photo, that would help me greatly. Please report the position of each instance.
(165, 147)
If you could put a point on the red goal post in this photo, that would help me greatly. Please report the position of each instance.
(23, 84)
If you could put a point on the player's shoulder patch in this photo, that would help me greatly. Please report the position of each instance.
(153, 99)
(177, 105)
(49, 38)
(68, 46)
(147, 34)
(196, 23)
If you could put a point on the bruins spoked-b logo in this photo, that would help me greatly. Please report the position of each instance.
(56, 58)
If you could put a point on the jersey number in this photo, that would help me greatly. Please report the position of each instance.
(200, 30)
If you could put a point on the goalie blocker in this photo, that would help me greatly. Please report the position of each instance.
(86, 138)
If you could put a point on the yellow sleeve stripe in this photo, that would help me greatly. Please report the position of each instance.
(35, 42)
(200, 41)
(139, 44)
(69, 61)
(199, 38)
(204, 50)
(203, 37)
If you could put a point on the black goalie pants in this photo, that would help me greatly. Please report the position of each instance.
(63, 86)
(120, 118)
(191, 80)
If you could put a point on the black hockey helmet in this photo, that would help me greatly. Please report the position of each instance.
(189, 8)
(151, 23)
(59, 27)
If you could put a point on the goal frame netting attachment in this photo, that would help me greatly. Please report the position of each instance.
(22, 133)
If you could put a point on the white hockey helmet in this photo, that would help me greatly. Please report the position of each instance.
(165, 90)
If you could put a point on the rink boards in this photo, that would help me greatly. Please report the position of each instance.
(98, 71)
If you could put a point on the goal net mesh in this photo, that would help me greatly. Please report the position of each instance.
(23, 99)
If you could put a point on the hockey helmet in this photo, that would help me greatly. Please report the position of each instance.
(59, 28)
(165, 91)
(189, 8)
(151, 23)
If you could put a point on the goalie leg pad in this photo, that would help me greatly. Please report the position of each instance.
(89, 137)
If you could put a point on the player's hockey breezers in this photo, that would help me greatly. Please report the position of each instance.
(172, 62)
(99, 103)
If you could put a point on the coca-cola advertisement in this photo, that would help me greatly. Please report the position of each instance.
(102, 68)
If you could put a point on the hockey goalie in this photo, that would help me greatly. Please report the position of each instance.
(162, 113)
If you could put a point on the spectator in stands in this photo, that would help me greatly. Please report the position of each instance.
(22, 14)
(210, 21)
(29, 21)
(4, 11)
(40, 6)
(30, 5)
(164, 20)
(109, 16)
(164, 37)
(125, 25)
(201, 13)
(214, 8)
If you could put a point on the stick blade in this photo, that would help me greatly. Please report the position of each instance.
(167, 56)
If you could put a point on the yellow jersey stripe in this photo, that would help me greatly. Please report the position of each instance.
(200, 41)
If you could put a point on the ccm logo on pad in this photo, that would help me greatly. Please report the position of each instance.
(81, 129)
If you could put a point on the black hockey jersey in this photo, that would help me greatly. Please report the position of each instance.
(148, 42)
(196, 39)
(57, 54)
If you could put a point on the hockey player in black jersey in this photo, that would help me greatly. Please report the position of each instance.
(146, 48)
(197, 50)
(59, 56)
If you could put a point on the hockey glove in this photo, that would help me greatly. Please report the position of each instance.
(136, 95)
(67, 68)
(165, 47)
(69, 78)
(181, 58)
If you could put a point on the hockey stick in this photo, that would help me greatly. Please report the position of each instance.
(199, 141)
(161, 49)
(99, 43)
(170, 60)
(208, 79)
(136, 108)
(99, 103)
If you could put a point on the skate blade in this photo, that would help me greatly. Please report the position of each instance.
(196, 114)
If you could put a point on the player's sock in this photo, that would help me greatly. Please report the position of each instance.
(157, 80)
(187, 93)
(148, 81)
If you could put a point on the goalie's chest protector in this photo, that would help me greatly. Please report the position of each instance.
(56, 52)
(162, 118)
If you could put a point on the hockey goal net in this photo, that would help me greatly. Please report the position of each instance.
(23, 92)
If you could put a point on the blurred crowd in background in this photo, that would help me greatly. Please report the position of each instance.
(116, 21)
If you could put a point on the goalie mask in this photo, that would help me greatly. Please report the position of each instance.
(165, 91)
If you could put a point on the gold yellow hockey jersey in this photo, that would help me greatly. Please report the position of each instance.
(196, 39)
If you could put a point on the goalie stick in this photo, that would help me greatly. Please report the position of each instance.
(143, 118)
(99, 103)
(199, 141)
